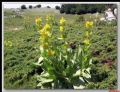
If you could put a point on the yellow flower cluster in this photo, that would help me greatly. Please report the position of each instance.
(45, 45)
(45, 33)
(51, 52)
(8, 43)
(62, 26)
(45, 37)
(66, 45)
(38, 22)
(89, 24)
(87, 41)
(50, 19)
(62, 21)
(47, 27)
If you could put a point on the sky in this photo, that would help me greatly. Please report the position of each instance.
(16, 5)
(43, 4)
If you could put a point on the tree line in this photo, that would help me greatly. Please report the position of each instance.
(78, 8)
(84, 8)
(30, 6)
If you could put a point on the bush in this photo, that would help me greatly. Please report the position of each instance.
(48, 7)
(23, 7)
(38, 6)
(30, 7)
(57, 7)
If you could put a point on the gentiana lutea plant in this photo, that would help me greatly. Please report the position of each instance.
(63, 67)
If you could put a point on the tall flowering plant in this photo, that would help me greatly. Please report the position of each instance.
(63, 67)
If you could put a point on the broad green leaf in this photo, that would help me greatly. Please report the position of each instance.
(43, 74)
(90, 62)
(46, 81)
(39, 84)
(40, 59)
(85, 74)
(60, 56)
(78, 72)
(79, 87)
(74, 58)
(73, 61)
(36, 64)
(79, 51)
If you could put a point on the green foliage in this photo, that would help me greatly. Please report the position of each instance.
(84, 8)
(64, 71)
(18, 71)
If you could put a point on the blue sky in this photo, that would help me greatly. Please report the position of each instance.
(16, 5)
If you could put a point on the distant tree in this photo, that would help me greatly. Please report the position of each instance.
(57, 7)
(48, 7)
(30, 6)
(23, 7)
(62, 9)
(38, 6)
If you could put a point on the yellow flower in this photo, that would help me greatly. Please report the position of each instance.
(62, 21)
(47, 27)
(45, 45)
(90, 33)
(89, 24)
(41, 30)
(61, 28)
(45, 33)
(42, 39)
(9, 43)
(66, 45)
(87, 41)
(51, 52)
(38, 20)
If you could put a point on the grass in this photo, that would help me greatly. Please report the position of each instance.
(19, 73)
